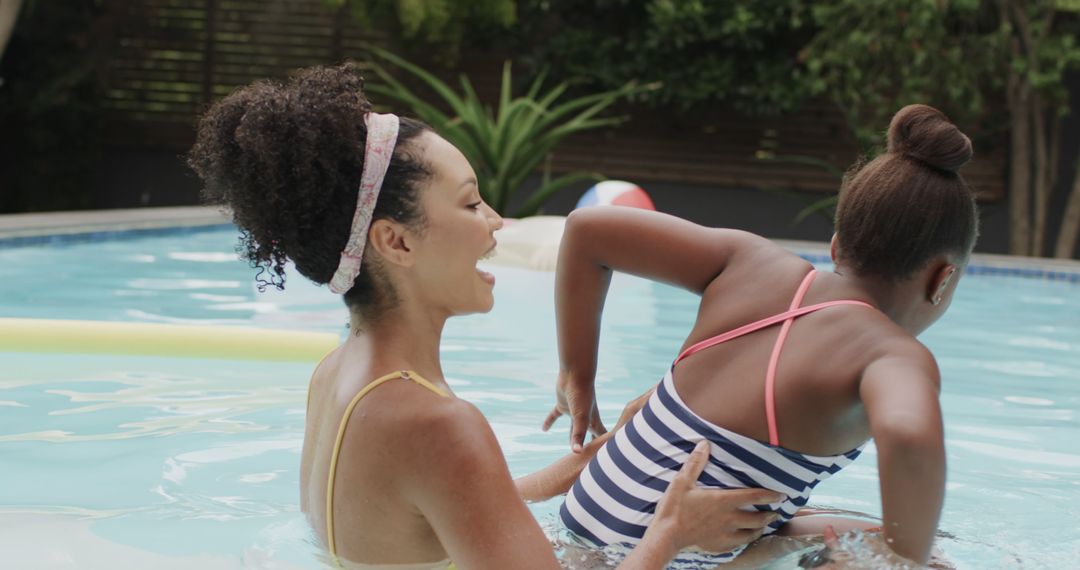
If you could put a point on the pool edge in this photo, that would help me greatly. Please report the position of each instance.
(60, 228)
(54, 228)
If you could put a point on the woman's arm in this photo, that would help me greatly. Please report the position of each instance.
(900, 394)
(597, 241)
(459, 481)
(557, 478)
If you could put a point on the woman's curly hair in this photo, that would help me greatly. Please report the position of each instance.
(287, 159)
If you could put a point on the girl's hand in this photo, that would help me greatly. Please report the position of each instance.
(711, 519)
(835, 556)
(823, 558)
(578, 400)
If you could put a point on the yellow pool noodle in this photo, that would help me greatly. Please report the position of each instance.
(152, 339)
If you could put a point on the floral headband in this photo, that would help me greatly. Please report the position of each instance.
(382, 132)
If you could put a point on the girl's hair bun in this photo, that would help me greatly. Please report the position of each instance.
(925, 134)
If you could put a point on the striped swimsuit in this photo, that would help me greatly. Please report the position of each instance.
(615, 497)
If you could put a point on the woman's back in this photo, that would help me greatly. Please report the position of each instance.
(372, 521)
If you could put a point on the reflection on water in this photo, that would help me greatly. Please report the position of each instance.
(112, 404)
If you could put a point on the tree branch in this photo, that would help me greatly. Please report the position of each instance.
(1070, 225)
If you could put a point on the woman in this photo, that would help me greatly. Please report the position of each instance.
(787, 371)
(395, 469)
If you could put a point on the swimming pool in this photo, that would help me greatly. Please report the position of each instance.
(174, 463)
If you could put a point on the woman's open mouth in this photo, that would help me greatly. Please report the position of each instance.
(487, 277)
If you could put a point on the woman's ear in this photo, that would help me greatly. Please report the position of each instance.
(833, 248)
(940, 283)
(393, 242)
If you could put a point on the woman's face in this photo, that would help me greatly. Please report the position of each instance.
(458, 233)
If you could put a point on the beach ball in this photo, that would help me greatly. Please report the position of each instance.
(616, 193)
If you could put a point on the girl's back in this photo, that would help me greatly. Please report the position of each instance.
(816, 398)
(717, 392)
(787, 402)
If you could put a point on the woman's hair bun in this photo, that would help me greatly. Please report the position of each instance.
(925, 134)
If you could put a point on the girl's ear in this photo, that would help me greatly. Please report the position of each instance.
(935, 292)
(833, 248)
(393, 242)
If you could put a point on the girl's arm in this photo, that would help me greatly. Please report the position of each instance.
(459, 482)
(900, 394)
(597, 241)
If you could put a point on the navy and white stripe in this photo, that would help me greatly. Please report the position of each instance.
(615, 497)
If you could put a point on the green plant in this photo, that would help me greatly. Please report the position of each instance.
(438, 27)
(507, 145)
(738, 53)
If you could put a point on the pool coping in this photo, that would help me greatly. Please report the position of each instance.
(52, 228)
(981, 263)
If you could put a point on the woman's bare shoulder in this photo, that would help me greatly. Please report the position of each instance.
(415, 421)
(456, 431)
(418, 440)
(445, 447)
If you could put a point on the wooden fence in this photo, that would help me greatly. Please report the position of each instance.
(194, 51)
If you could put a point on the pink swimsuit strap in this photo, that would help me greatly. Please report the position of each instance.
(787, 318)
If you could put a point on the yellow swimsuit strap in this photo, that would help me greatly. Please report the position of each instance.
(403, 374)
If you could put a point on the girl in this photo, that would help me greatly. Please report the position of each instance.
(395, 469)
(787, 371)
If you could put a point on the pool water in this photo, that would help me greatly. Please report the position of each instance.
(111, 462)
